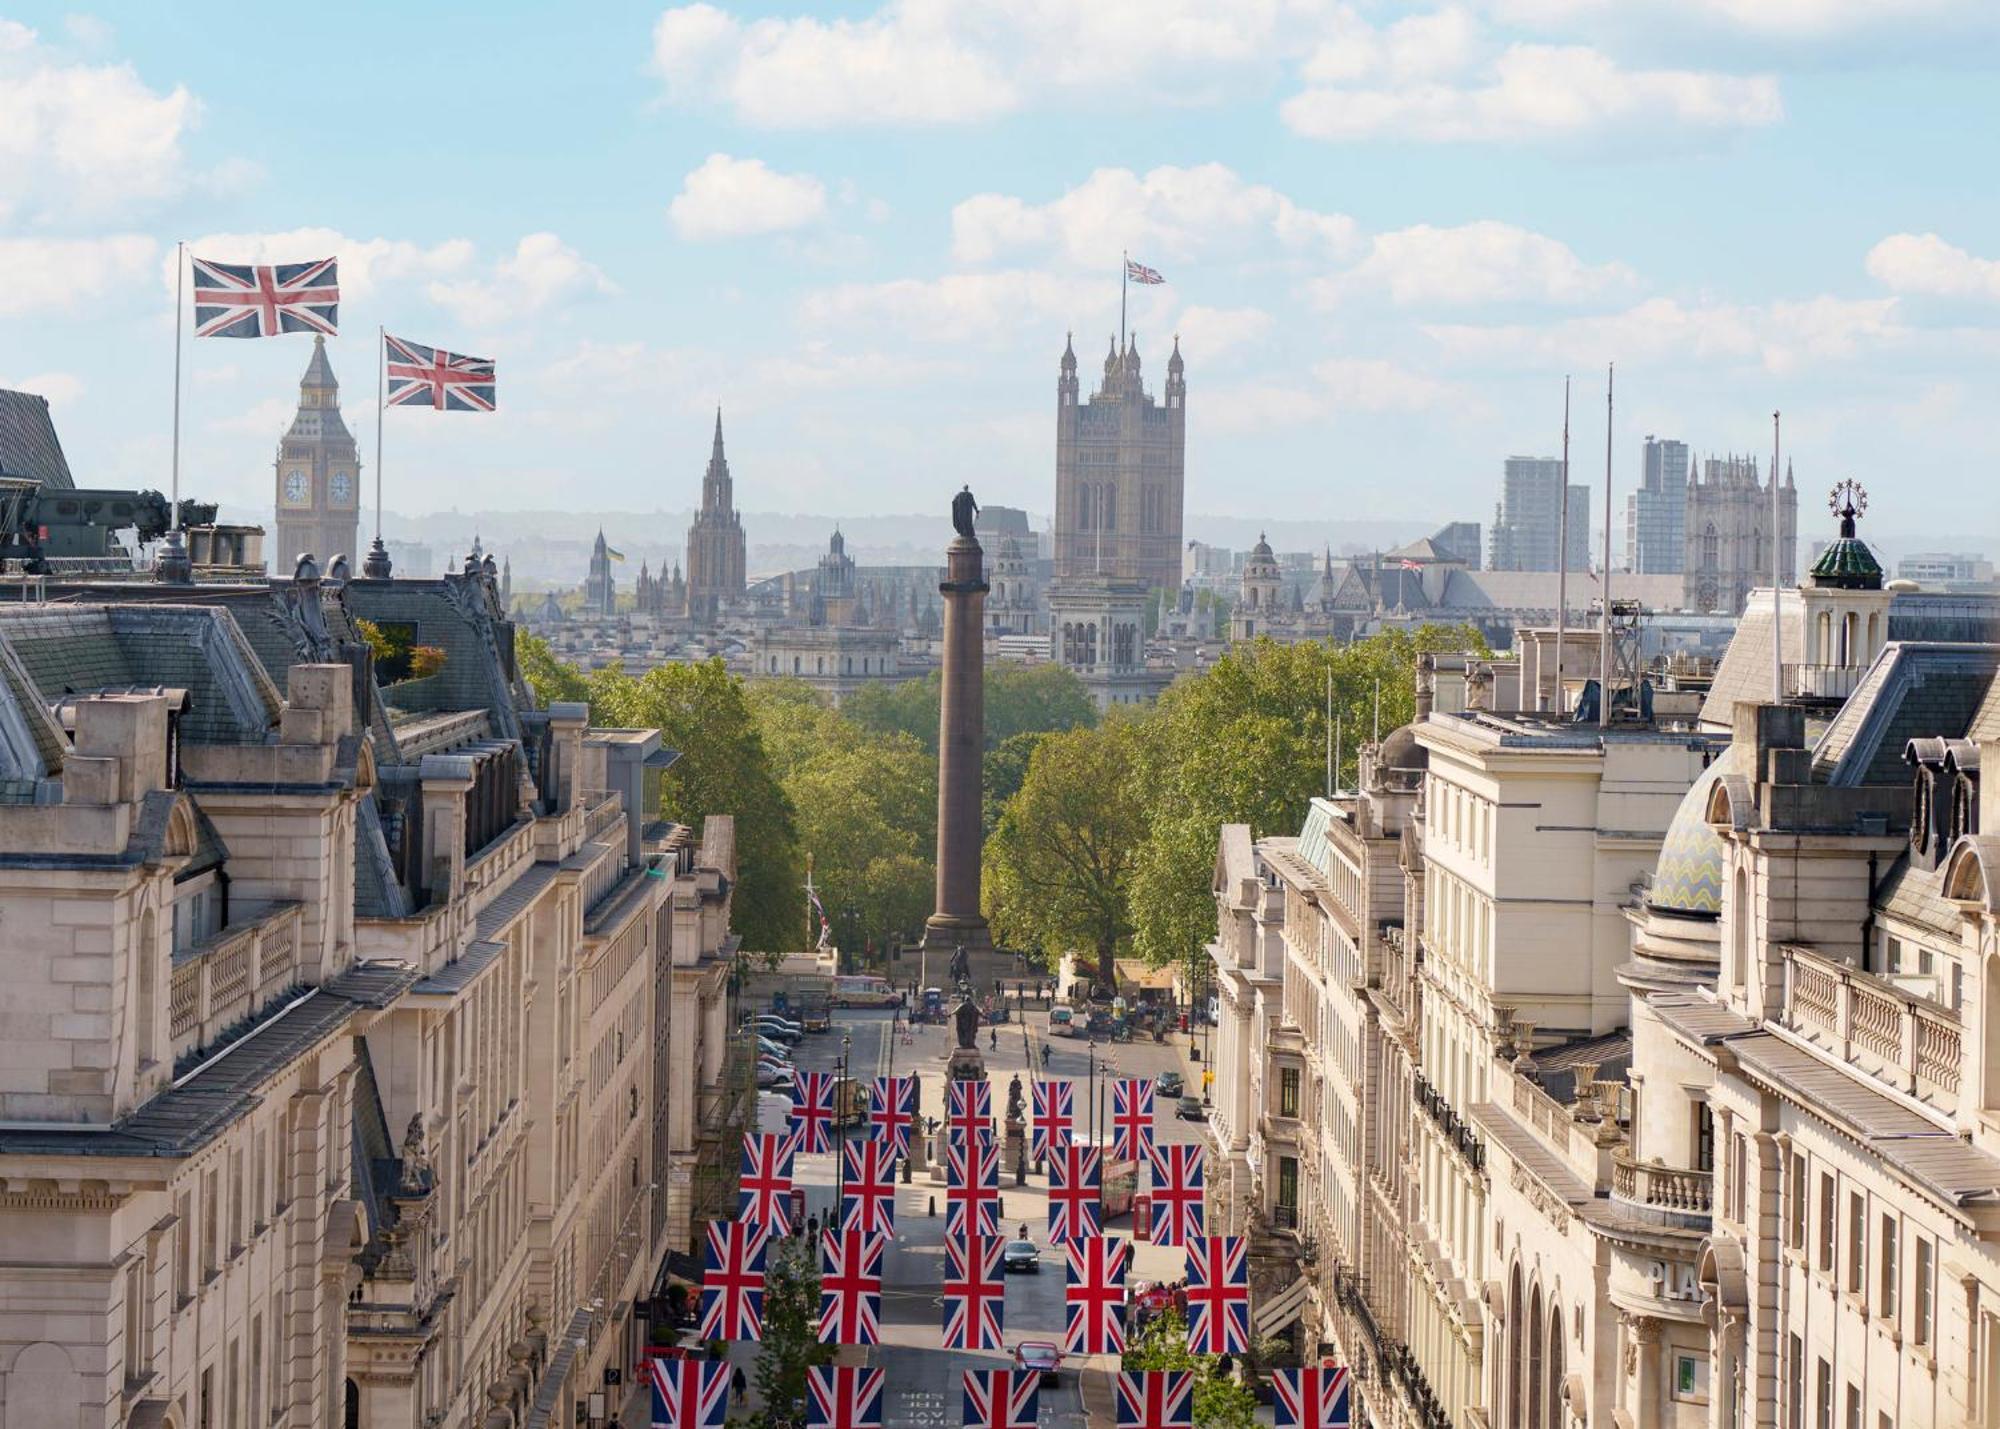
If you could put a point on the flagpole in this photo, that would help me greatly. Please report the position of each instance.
(1562, 561)
(1124, 280)
(377, 567)
(171, 564)
(1777, 594)
(1604, 589)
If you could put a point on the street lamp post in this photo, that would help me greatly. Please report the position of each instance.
(840, 1150)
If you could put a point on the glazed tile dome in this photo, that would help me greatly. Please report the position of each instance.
(1688, 877)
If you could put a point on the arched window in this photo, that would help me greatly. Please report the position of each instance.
(1515, 1365)
(1536, 1386)
(1739, 931)
(1990, 991)
(1555, 1369)
(1709, 547)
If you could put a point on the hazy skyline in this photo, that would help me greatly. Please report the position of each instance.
(864, 231)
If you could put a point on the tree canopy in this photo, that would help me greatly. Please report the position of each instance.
(1219, 1401)
(1019, 699)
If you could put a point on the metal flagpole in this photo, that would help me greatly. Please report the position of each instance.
(1338, 720)
(1777, 593)
(1329, 733)
(1124, 280)
(171, 564)
(1604, 616)
(381, 379)
(1562, 560)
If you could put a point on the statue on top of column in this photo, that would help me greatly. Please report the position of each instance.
(963, 509)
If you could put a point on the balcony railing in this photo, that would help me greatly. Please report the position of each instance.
(1907, 1042)
(1822, 682)
(1666, 1188)
(226, 979)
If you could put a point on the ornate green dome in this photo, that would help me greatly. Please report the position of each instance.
(1848, 564)
(1688, 877)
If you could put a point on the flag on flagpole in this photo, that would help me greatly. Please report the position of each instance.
(688, 1394)
(422, 376)
(266, 299)
(1140, 273)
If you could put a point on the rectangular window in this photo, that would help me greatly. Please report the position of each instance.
(1795, 1202)
(1739, 1158)
(1704, 1137)
(183, 1249)
(1925, 1291)
(211, 1223)
(1885, 1298)
(1853, 1407)
(135, 1322)
(1690, 1376)
(1823, 1396)
(1857, 1243)
(1795, 1382)
(1288, 1091)
(1826, 1213)
(1288, 1187)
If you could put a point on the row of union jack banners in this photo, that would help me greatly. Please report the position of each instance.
(272, 299)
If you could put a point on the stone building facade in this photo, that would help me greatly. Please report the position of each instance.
(1727, 530)
(1121, 473)
(715, 549)
(317, 474)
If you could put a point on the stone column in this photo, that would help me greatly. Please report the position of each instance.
(961, 752)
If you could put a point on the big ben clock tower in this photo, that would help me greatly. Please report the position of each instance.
(318, 475)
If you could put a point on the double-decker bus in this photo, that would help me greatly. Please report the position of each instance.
(861, 990)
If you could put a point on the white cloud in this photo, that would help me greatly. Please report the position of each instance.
(365, 263)
(267, 418)
(1924, 263)
(542, 270)
(1260, 407)
(1481, 262)
(734, 198)
(1437, 78)
(38, 273)
(980, 307)
(1779, 337)
(959, 61)
(1214, 331)
(83, 138)
(1366, 384)
(61, 388)
(1169, 213)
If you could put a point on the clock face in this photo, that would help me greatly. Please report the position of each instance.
(295, 487)
(342, 487)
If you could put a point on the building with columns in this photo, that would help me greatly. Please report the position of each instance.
(1121, 472)
(715, 549)
(317, 474)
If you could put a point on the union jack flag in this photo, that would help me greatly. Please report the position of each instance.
(843, 1397)
(1094, 1295)
(868, 1193)
(975, 1292)
(1314, 1398)
(968, 1110)
(892, 1111)
(422, 376)
(1002, 1399)
(1140, 273)
(850, 1288)
(1179, 1183)
(1218, 1294)
(1131, 1118)
(764, 1186)
(732, 1282)
(1156, 1399)
(1054, 1119)
(1076, 1173)
(972, 1188)
(689, 1394)
(812, 1110)
(265, 299)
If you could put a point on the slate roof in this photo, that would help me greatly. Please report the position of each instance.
(28, 443)
(1911, 691)
(1915, 896)
(1536, 590)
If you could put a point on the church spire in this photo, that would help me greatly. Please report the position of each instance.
(319, 372)
(715, 452)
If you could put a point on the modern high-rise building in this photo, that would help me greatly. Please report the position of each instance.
(317, 473)
(715, 540)
(1527, 524)
(1655, 514)
(1120, 473)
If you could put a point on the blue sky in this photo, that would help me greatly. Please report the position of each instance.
(865, 229)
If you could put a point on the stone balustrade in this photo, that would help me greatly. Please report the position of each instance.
(1667, 1188)
(231, 976)
(1908, 1042)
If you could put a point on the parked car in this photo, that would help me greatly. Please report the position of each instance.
(1169, 1084)
(769, 1076)
(773, 1049)
(778, 1028)
(1044, 1357)
(1189, 1109)
(1021, 1255)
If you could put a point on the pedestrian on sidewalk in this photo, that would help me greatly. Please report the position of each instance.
(737, 1382)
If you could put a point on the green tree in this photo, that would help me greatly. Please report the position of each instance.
(1219, 1401)
(1005, 767)
(1057, 864)
(551, 679)
(1020, 699)
(790, 1345)
(702, 711)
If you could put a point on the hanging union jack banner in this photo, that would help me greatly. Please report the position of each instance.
(1156, 1399)
(1053, 1120)
(732, 1281)
(850, 1288)
(1131, 1118)
(975, 1292)
(1313, 1398)
(1076, 1174)
(892, 1111)
(1218, 1294)
(972, 1188)
(1179, 1184)
(264, 300)
(868, 1195)
(1094, 1295)
(968, 1110)
(422, 376)
(764, 1187)
(689, 1394)
(843, 1397)
(1002, 1398)
(812, 1111)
